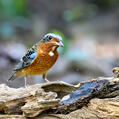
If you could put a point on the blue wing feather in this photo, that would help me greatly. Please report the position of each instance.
(32, 56)
(28, 58)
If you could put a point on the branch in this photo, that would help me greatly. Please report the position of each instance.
(93, 99)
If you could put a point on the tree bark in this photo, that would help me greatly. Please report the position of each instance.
(94, 99)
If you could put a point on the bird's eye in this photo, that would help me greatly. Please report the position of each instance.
(50, 37)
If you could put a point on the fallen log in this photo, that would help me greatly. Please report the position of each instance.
(94, 99)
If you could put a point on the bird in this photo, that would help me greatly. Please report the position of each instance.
(39, 58)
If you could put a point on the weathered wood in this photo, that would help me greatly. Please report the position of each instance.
(95, 99)
(12, 117)
(33, 100)
(82, 95)
(100, 88)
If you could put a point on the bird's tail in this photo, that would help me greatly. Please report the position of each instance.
(12, 77)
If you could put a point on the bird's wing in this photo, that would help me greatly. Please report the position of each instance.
(28, 58)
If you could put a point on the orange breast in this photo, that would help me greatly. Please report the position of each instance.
(41, 64)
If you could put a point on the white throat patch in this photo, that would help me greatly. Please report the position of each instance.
(51, 53)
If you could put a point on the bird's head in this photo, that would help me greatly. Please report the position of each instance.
(51, 41)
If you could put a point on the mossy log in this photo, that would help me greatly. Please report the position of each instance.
(94, 99)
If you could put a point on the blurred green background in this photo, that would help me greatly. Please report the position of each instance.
(89, 28)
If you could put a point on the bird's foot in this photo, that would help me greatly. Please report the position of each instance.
(26, 86)
(47, 80)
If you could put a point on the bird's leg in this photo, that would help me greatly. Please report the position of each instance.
(25, 83)
(44, 77)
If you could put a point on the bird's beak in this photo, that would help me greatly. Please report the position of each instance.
(60, 44)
